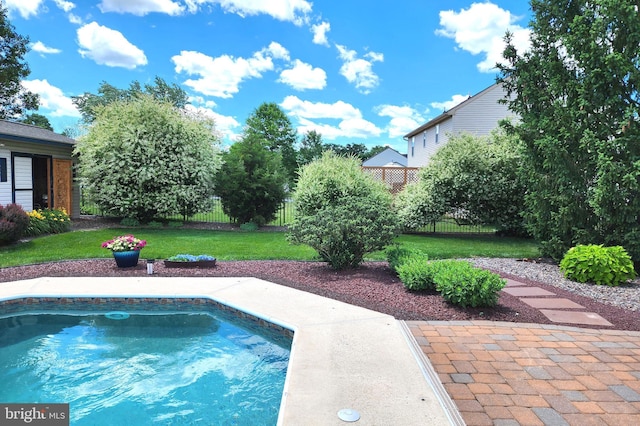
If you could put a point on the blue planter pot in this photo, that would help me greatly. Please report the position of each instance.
(126, 259)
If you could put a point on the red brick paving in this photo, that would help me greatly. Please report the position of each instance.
(501, 373)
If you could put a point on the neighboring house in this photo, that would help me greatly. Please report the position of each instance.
(390, 167)
(36, 168)
(387, 158)
(478, 115)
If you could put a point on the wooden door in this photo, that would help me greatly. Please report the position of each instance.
(62, 184)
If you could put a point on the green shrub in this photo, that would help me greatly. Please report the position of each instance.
(415, 273)
(251, 182)
(396, 254)
(155, 224)
(610, 266)
(341, 212)
(462, 284)
(175, 224)
(145, 158)
(13, 223)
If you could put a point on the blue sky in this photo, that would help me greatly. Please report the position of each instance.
(355, 71)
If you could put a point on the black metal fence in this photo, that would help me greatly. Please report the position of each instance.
(453, 223)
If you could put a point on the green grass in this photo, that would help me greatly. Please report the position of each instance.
(234, 245)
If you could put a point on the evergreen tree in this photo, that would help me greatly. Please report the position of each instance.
(576, 92)
(251, 182)
(271, 125)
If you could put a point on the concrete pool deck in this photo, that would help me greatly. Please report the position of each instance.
(343, 356)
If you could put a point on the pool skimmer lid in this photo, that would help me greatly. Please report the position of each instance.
(348, 415)
(117, 315)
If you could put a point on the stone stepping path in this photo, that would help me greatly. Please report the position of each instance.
(559, 310)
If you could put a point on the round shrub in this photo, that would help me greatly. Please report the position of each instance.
(341, 212)
(460, 283)
(396, 255)
(13, 223)
(601, 265)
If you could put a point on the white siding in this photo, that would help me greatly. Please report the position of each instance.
(5, 187)
(423, 153)
(482, 113)
(23, 171)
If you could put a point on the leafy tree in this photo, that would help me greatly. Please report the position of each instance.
(576, 91)
(354, 150)
(37, 120)
(251, 181)
(477, 176)
(89, 103)
(271, 125)
(311, 148)
(14, 99)
(143, 158)
(341, 212)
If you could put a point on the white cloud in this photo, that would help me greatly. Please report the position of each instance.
(277, 51)
(52, 98)
(25, 8)
(295, 11)
(359, 71)
(305, 109)
(227, 126)
(303, 76)
(403, 119)
(141, 7)
(447, 105)
(480, 29)
(40, 47)
(222, 76)
(75, 19)
(108, 47)
(65, 5)
(351, 124)
(320, 33)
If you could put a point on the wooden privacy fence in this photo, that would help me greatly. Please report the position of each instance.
(396, 178)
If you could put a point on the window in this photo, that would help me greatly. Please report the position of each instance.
(424, 138)
(4, 176)
(413, 143)
(437, 132)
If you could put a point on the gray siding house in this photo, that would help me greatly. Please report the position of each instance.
(478, 115)
(36, 168)
(387, 158)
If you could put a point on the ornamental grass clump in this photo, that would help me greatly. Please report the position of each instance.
(124, 243)
(601, 265)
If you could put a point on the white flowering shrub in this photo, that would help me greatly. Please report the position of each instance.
(145, 158)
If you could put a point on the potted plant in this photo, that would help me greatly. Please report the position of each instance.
(125, 249)
(190, 261)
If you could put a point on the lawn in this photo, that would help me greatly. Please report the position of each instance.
(238, 245)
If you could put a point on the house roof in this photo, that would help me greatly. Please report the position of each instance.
(10, 130)
(447, 114)
(395, 160)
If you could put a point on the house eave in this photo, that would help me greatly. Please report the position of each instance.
(14, 138)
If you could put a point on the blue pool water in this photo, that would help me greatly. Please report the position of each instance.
(145, 368)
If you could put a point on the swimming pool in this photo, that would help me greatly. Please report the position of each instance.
(143, 361)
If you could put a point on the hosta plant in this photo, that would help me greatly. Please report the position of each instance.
(601, 265)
